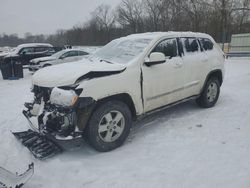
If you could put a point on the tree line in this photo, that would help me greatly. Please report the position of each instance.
(219, 18)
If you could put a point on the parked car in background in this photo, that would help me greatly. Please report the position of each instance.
(99, 96)
(25, 52)
(64, 56)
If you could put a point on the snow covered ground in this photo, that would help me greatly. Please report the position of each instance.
(182, 147)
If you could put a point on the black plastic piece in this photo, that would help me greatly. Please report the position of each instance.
(6, 69)
(18, 69)
(39, 145)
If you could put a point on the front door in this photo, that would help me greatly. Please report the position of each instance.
(163, 83)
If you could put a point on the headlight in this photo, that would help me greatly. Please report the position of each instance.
(63, 97)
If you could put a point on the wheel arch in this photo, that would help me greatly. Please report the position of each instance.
(86, 110)
(123, 97)
(215, 73)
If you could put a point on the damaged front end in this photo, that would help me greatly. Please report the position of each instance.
(53, 118)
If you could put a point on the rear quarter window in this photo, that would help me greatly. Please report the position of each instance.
(81, 53)
(40, 49)
(206, 44)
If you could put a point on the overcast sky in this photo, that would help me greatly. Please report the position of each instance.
(45, 16)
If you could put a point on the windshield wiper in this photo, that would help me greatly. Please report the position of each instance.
(106, 61)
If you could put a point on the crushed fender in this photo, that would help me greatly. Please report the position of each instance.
(8, 179)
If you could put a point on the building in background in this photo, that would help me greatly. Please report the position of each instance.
(240, 45)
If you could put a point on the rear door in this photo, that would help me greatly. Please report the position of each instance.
(163, 83)
(194, 61)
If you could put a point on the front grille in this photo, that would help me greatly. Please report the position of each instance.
(42, 92)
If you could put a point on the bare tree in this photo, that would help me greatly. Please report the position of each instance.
(197, 11)
(104, 17)
(154, 11)
(130, 15)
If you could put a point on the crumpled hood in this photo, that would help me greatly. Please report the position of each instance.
(68, 73)
(42, 59)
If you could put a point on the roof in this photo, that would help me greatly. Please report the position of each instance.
(73, 49)
(153, 35)
(31, 45)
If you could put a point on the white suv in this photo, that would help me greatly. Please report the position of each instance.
(99, 97)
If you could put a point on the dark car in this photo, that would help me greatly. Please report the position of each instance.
(25, 52)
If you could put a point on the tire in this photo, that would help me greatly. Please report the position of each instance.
(109, 126)
(210, 93)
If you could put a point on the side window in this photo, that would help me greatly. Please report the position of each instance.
(168, 47)
(26, 51)
(50, 49)
(81, 53)
(190, 44)
(73, 54)
(40, 49)
(206, 44)
(65, 55)
(69, 54)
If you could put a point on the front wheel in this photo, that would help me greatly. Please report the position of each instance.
(210, 93)
(109, 126)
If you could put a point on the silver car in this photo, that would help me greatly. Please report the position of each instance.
(64, 56)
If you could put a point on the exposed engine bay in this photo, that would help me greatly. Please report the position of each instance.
(54, 109)
(54, 121)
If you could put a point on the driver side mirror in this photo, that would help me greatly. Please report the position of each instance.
(155, 58)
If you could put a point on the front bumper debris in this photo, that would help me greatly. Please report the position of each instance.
(8, 179)
(41, 141)
(39, 145)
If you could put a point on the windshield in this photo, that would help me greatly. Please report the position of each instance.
(122, 51)
(58, 54)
